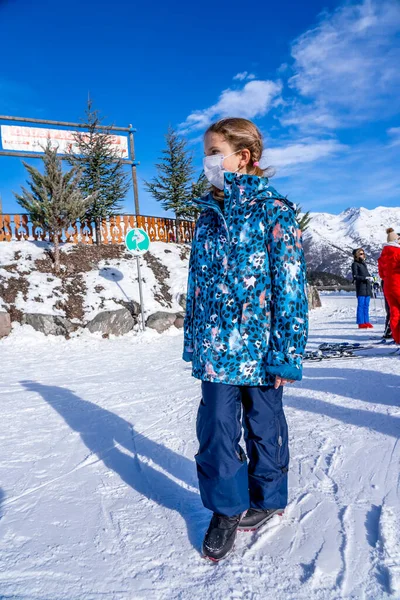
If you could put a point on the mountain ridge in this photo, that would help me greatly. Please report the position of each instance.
(330, 239)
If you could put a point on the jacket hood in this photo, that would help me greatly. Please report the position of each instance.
(250, 187)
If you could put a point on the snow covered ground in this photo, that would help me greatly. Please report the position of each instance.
(104, 284)
(99, 496)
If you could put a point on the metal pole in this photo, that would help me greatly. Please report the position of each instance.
(61, 123)
(23, 154)
(134, 173)
(140, 292)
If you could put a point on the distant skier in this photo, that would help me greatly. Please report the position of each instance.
(363, 281)
(376, 288)
(389, 271)
(245, 333)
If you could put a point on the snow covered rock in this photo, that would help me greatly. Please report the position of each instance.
(131, 305)
(161, 321)
(182, 301)
(5, 324)
(314, 301)
(180, 317)
(48, 324)
(114, 322)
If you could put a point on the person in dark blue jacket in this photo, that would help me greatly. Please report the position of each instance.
(245, 333)
(363, 281)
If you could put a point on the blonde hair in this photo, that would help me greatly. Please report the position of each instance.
(241, 134)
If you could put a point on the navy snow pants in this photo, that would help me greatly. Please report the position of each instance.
(229, 484)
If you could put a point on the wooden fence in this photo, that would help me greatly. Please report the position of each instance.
(113, 229)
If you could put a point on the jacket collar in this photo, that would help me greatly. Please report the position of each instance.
(250, 187)
(393, 244)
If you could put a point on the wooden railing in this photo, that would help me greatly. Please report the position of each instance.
(113, 229)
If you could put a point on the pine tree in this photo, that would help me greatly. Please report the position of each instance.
(173, 186)
(54, 200)
(102, 169)
(199, 189)
(302, 220)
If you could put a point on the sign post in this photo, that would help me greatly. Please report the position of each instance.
(138, 243)
(28, 142)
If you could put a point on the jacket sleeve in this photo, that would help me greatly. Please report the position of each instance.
(381, 266)
(190, 302)
(354, 271)
(289, 306)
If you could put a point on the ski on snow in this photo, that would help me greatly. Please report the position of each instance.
(344, 346)
(346, 350)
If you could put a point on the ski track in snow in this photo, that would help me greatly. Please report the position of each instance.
(99, 496)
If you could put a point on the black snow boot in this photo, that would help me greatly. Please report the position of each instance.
(255, 518)
(220, 536)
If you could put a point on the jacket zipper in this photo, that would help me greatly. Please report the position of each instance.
(280, 442)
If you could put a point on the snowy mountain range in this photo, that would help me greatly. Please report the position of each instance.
(330, 239)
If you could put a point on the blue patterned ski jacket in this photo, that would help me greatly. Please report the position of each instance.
(246, 313)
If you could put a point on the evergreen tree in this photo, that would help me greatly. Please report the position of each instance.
(173, 186)
(54, 200)
(199, 189)
(102, 169)
(302, 220)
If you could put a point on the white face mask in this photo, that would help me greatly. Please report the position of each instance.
(214, 169)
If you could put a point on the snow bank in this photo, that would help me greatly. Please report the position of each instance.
(91, 279)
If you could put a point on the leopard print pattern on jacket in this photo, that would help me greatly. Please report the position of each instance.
(247, 313)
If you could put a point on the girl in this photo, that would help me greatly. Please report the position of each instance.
(389, 271)
(245, 333)
(363, 281)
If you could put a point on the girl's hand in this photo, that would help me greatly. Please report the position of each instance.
(279, 381)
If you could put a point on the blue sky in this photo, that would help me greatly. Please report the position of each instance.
(320, 78)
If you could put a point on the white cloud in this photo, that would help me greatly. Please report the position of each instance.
(347, 66)
(244, 75)
(252, 101)
(344, 72)
(394, 133)
(312, 117)
(368, 176)
(364, 175)
(290, 157)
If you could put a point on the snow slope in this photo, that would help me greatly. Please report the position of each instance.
(99, 496)
(330, 239)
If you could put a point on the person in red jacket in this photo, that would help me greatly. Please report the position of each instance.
(389, 272)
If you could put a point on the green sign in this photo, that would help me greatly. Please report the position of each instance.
(137, 241)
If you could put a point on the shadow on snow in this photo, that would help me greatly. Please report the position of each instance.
(107, 436)
(373, 387)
